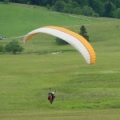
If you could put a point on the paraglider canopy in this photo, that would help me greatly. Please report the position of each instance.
(74, 39)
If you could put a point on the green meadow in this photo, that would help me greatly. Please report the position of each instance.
(86, 92)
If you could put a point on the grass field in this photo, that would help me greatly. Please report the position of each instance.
(63, 115)
(87, 92)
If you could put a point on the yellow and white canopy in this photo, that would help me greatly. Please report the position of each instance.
(74, 39)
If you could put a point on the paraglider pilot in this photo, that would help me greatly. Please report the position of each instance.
(51, 97)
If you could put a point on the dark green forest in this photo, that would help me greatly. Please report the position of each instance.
(96, 8)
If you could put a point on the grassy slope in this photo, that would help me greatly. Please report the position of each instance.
(25, 79)
(17, 20)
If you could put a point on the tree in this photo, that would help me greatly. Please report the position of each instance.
(88, 11)
(59, 6)
(68, 8)
(83, 32)
(13, 47)
(82, 3)
(118, 3)
(97, 6)
(75, 4)
(77, 10)
(109, 8)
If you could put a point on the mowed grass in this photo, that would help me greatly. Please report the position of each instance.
(82, 91)
(63, 115)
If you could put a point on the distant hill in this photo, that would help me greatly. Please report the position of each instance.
(17, 20)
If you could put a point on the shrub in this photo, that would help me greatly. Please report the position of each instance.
(1, 48)
(13, 47)
(60, 41)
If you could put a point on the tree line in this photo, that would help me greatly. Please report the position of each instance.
(102, 8)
